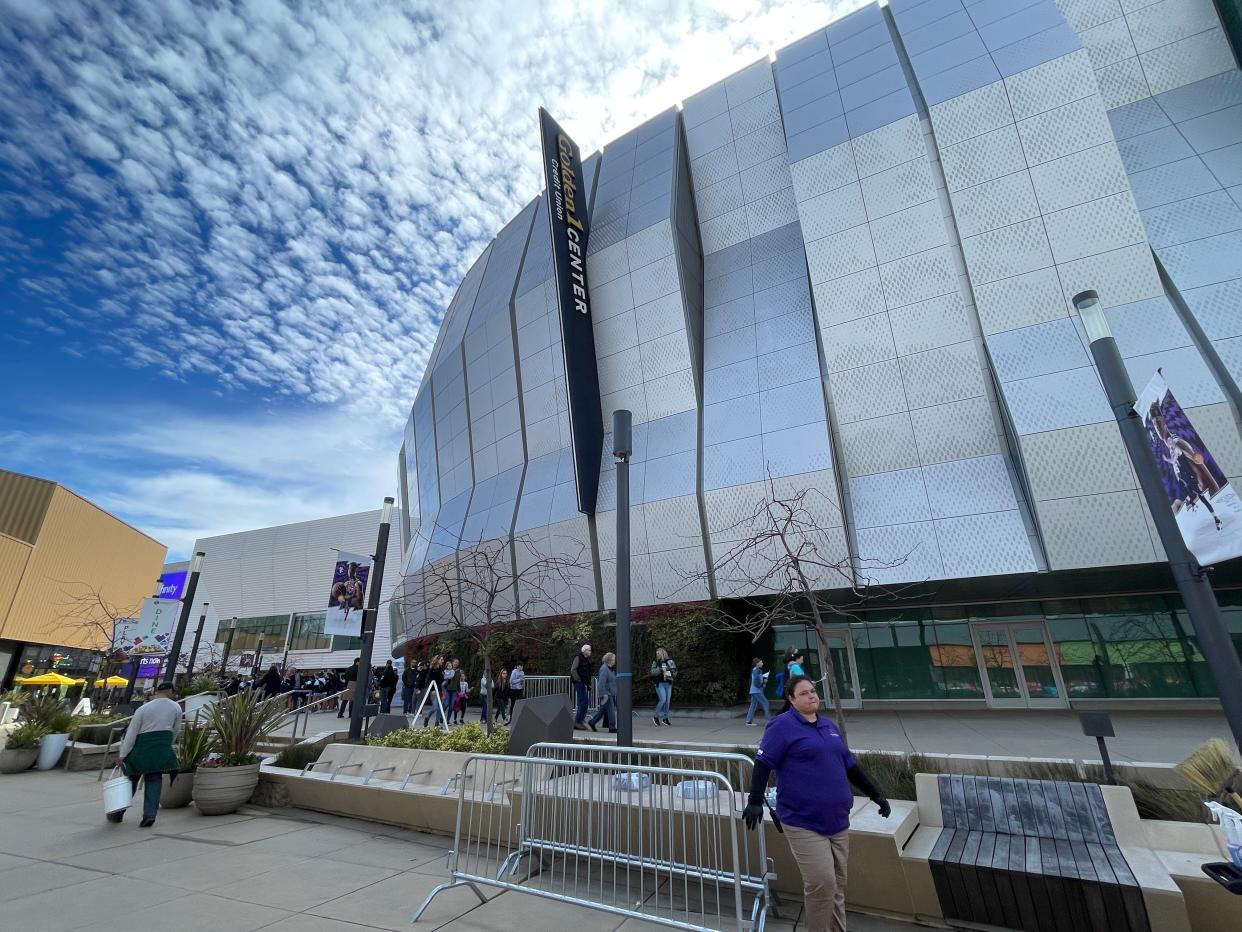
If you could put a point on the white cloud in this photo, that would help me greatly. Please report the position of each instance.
(255, 183)
(283, 201)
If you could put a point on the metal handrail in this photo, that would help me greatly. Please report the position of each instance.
(303, 711)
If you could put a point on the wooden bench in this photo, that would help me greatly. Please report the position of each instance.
(1039, 855)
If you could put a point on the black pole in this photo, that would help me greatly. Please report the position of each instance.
(198, 636)
(362, 688)
(228, 646)
(258, 658)
(1191, 579)
(196, 566)
(622, 447)
(1107, 761)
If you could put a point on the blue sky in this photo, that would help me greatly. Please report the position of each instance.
(228, 230)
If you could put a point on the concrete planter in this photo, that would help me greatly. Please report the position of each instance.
(221, 790)
(178, 793)
(50, 749)
(16, 760)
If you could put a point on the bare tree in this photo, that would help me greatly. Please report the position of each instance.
(492, 583)
(84, 610)
(784, 555)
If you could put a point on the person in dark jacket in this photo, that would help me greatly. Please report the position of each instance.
(435, 675)
(388, 687)
(580, 674)
(271, 682)
(409, 679)
(814, 769)
(233, 686)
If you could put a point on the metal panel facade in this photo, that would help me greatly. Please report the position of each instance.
(850, 268)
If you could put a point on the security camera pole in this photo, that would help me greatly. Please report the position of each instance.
(1191, 579)
(187, 606)
(622, 448)
(362, 689)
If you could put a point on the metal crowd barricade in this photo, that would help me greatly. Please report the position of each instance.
(535, 686)
(663, 844)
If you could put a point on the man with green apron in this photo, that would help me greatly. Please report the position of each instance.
(147, 750)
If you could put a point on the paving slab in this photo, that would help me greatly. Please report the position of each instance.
(257, 869)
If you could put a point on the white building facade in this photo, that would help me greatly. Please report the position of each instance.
(275, 582)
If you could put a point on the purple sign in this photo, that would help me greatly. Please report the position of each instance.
(172, 585)
(148, 668)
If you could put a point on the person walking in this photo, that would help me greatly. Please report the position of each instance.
(606, 689)
(517, 686)
(388, 687)
(409, 677)
(758, 681)
(663, 673)
(485, 689)
(452, 677)
(349, 689)
(814, 769)
(462, 700)
(233, 686)
(580, 674)
(147, 751)
(435, 675)
(793, 664)
(502, 696)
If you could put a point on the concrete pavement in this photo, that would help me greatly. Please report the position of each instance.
(62, 868)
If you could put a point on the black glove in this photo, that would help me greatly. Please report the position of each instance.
(752, 815)
(885, 809)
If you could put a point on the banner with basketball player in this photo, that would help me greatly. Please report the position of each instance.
(349, 588)
(1207, 509)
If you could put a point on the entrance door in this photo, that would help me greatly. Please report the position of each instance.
(1018, 666)
(841, 647)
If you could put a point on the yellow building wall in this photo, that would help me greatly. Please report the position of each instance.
(13, 557)
(80, 548)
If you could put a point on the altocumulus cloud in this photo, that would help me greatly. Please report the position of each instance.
(281, 198)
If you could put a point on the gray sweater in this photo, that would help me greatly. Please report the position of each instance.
(607, 681)
(156, 715)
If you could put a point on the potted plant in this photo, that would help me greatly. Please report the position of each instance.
(55, 722)
(191, 747)
(21, 749)
(226, 778)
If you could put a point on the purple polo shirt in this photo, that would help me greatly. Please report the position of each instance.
(810, 760)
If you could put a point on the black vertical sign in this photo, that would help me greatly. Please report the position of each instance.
(567, 216)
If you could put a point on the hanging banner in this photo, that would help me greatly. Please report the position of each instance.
(571, 228)
(151, 632)
(349, 587)
(1207, 509)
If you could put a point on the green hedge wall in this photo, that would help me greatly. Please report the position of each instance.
(714, 665)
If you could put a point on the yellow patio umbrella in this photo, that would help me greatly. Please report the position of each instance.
(48, 679)
(113, 681)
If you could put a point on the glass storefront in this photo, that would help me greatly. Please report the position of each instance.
(1022, 654)
(248, 630)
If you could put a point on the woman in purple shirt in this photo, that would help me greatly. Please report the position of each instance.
(814, 770)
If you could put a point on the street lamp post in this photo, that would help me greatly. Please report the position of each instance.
(622, 448)
(174, 653)
(228, 645)
(198, 636)
(258, 657)
(362, 689)
(1191, 579)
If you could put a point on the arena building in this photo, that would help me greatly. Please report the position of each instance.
(850, 267)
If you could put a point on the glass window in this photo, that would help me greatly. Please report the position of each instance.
(1082, 655)
(307, 632)
(955, 657)
(900, 662)
(1145, 656)
(341, 642)
(247, 631)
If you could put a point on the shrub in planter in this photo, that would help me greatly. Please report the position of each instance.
(471, 739)
(238, 724)
(191, 747)
(21, 749)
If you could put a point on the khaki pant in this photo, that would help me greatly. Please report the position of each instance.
(822, 860)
